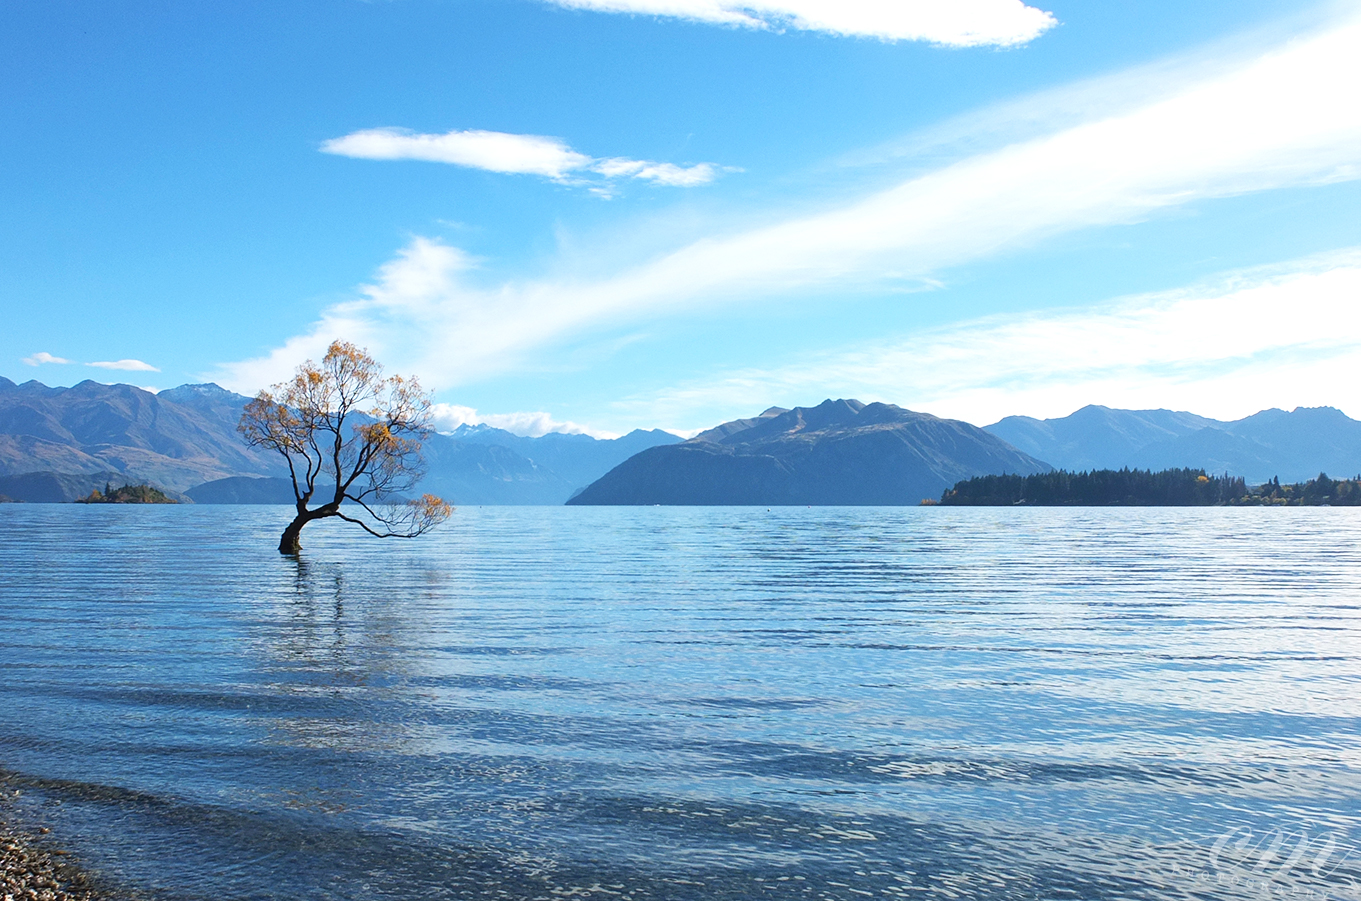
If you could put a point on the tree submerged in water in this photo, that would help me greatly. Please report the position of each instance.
(349, 436)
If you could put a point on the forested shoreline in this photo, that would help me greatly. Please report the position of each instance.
(1144, 488)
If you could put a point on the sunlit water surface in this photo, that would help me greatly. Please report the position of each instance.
(691, 703)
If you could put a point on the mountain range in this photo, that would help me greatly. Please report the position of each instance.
(176, 439)
(544, 470)
(1294, 446)
(57, 444)
(839, 452)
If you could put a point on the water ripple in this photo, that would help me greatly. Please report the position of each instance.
(692, 703)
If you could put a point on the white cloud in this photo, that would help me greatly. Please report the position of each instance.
(955, 23)
(1280, 119)
(490, 150)
(497, 151)
(1286, 337)
(448, 417)
(41, 357)
(660, 173)
(126, 365)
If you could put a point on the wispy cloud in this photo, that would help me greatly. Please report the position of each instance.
(42, 357)
(125, 365)
(1280, 119)
(957, 23)
(496, 151)
(448, 417)
(660, 173)
(1281, 336)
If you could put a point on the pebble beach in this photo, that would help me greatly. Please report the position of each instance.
(32, 870)
(30, 874)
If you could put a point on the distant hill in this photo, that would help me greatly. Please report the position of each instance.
(1294, 446)
(471, 473)
(1094, 436)
(66, 442)
(243, 490)
(174, 440)
(578, 459)
(48, 487)
(211, 401)
(474, 467)
(460, 473)
(839, 452)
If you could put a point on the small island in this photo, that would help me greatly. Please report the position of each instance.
(1143, 488)
(127, 494)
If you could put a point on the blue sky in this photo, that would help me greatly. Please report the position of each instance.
(608, 214)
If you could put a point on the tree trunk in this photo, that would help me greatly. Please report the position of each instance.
(289, 542)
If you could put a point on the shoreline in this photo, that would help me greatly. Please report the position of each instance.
(30, 870)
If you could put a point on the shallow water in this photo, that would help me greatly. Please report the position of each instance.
(692, 703)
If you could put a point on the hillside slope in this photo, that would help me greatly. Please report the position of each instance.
(143, 437)
(1294, 446)
(185, 440)
(839, 452)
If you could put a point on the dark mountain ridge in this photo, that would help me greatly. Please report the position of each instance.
(841, 452)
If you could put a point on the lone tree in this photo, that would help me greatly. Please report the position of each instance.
(348, 435)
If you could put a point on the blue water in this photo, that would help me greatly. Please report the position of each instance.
(691, 703)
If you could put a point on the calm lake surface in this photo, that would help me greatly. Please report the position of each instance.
(691, 703)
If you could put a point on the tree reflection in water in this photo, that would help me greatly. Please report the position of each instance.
(339, 663)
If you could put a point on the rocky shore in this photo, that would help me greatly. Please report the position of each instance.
(33, 875)
(29, 871)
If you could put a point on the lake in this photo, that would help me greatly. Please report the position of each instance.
(691, 703)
